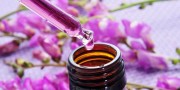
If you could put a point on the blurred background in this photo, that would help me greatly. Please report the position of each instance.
(162, 17)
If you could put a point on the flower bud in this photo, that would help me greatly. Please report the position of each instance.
(20, 72)
(21, 62)
(9, 47)
(2, 27)
(42, 56)
(50, 47)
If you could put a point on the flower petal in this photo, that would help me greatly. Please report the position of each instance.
(168, 83)
(148, 60)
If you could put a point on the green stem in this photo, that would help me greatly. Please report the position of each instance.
(11, 13)
(125, 6)
(139, 86)
(48, 65)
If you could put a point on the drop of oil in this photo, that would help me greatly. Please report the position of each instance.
(87, 39)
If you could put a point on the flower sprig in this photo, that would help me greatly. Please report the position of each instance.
(141, 4)
(20, 8)
(176, 61)
(21, 64)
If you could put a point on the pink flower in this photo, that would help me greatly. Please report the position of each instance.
(14, 84)
(168, 83)
(105, 30)
(73, 11)
(137, 45)
(40, 55)
(41, 84)
(136, 29)
(148, 60)
(148, 42)
(53, 82)
(64, 4)
(2, 26)
(50, 47)
(12, 27)
(74, 45)
(139, 30)
(96, 7)
(9, 47)
(33, 41)
(127, 54)
(32, 20)
(62, 81)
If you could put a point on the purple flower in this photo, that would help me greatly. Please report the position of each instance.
(2, 26)
(42, 84)
(32, 20)
(136, 29)
(139, 30)
(168, 83)
(65, 84)
(74, 45)
(9, 47)
(137, 45)
(33, 41)
(11, 85)
(148, 60)
(50, 47)
(5, 27)
(96, 7)
(127, 54)
(105, 30)
(64, 4)
(53, 82)
(28, 84)
(12, 27)
(40, 55)
(73, 11)
(148, 42)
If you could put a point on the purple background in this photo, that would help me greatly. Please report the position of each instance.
(164, 18)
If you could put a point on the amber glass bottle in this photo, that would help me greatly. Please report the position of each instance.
(101, 68)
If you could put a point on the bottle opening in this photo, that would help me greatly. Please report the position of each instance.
(94, 58)
(101, 68)
(101, 55)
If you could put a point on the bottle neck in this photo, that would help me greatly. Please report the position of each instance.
(101, 68)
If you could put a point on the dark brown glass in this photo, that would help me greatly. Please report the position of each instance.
(101, 68)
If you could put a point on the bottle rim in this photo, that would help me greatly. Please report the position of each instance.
(118, 54)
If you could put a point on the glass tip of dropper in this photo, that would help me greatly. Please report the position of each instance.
(87, 39)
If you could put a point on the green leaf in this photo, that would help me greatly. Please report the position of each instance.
(22, 7)
(83, 19)
(21, 62)
(175, 61)
(61, 35)
(142, 6)
(178, 51)
(20, 72)
(27, 65)
(46, 61)
(80, 3)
